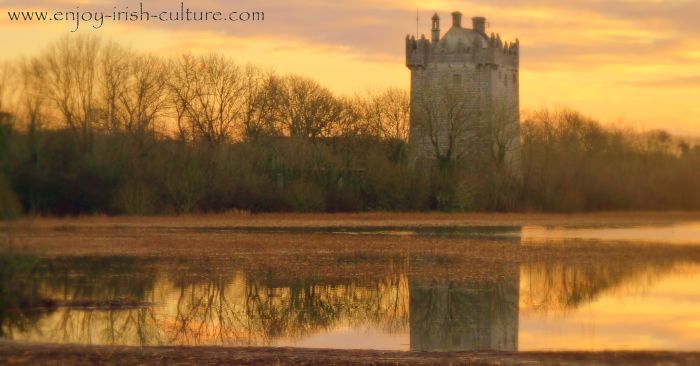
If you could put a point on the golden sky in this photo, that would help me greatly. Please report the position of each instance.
(630, 62)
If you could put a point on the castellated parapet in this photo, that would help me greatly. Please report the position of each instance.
(464, 94)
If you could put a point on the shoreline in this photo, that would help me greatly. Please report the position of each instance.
(360, 220)
(21, 353)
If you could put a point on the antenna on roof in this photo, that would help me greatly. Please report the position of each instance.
(416, 22)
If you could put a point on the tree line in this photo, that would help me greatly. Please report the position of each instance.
(89, 126)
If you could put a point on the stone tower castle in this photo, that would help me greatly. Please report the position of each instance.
(464, 95)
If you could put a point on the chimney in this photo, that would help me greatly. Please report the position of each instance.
(436, 28)
(457, 19)
(479, 24)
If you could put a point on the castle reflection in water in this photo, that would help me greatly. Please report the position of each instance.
(460, 316)
(195, 301)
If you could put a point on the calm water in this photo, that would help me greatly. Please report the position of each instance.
(647, 303)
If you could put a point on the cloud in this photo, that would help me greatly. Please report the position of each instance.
(596, 30)
(676, 82)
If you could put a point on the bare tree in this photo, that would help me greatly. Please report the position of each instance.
(307, 109)
(354, 119)
(397, 115)
(4, 82)
(363, 115)
(262, 96)
(114, 71)
(448, 118)
(383, 114)
(6, 116)
(395, 108)
(503, 123)
(32, 93)
(208, 93)
(70, 73)
(504, 173)
(145, 95)
(180, 85)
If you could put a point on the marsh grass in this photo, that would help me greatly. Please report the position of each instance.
(216, 239)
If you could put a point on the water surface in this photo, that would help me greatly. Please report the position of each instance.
(442, 289)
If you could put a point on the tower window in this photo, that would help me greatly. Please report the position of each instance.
(457, 79)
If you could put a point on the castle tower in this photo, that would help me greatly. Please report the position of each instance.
(464, 95)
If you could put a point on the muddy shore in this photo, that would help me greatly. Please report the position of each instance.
(12, 353)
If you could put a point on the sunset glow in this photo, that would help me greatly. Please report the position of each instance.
(623, 61)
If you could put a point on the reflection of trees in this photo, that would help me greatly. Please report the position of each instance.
(92, 282)
(565, 284)
(259, 309)
(457, 300)
(464, 315)
(98, 278)
(105, 326)
(389, 307)
(205, 302)
(204, 313)
(19, 294)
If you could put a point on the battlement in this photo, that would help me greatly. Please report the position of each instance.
(461, 45)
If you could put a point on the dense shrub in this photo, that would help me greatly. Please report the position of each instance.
(572, 163)
(569, 163)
